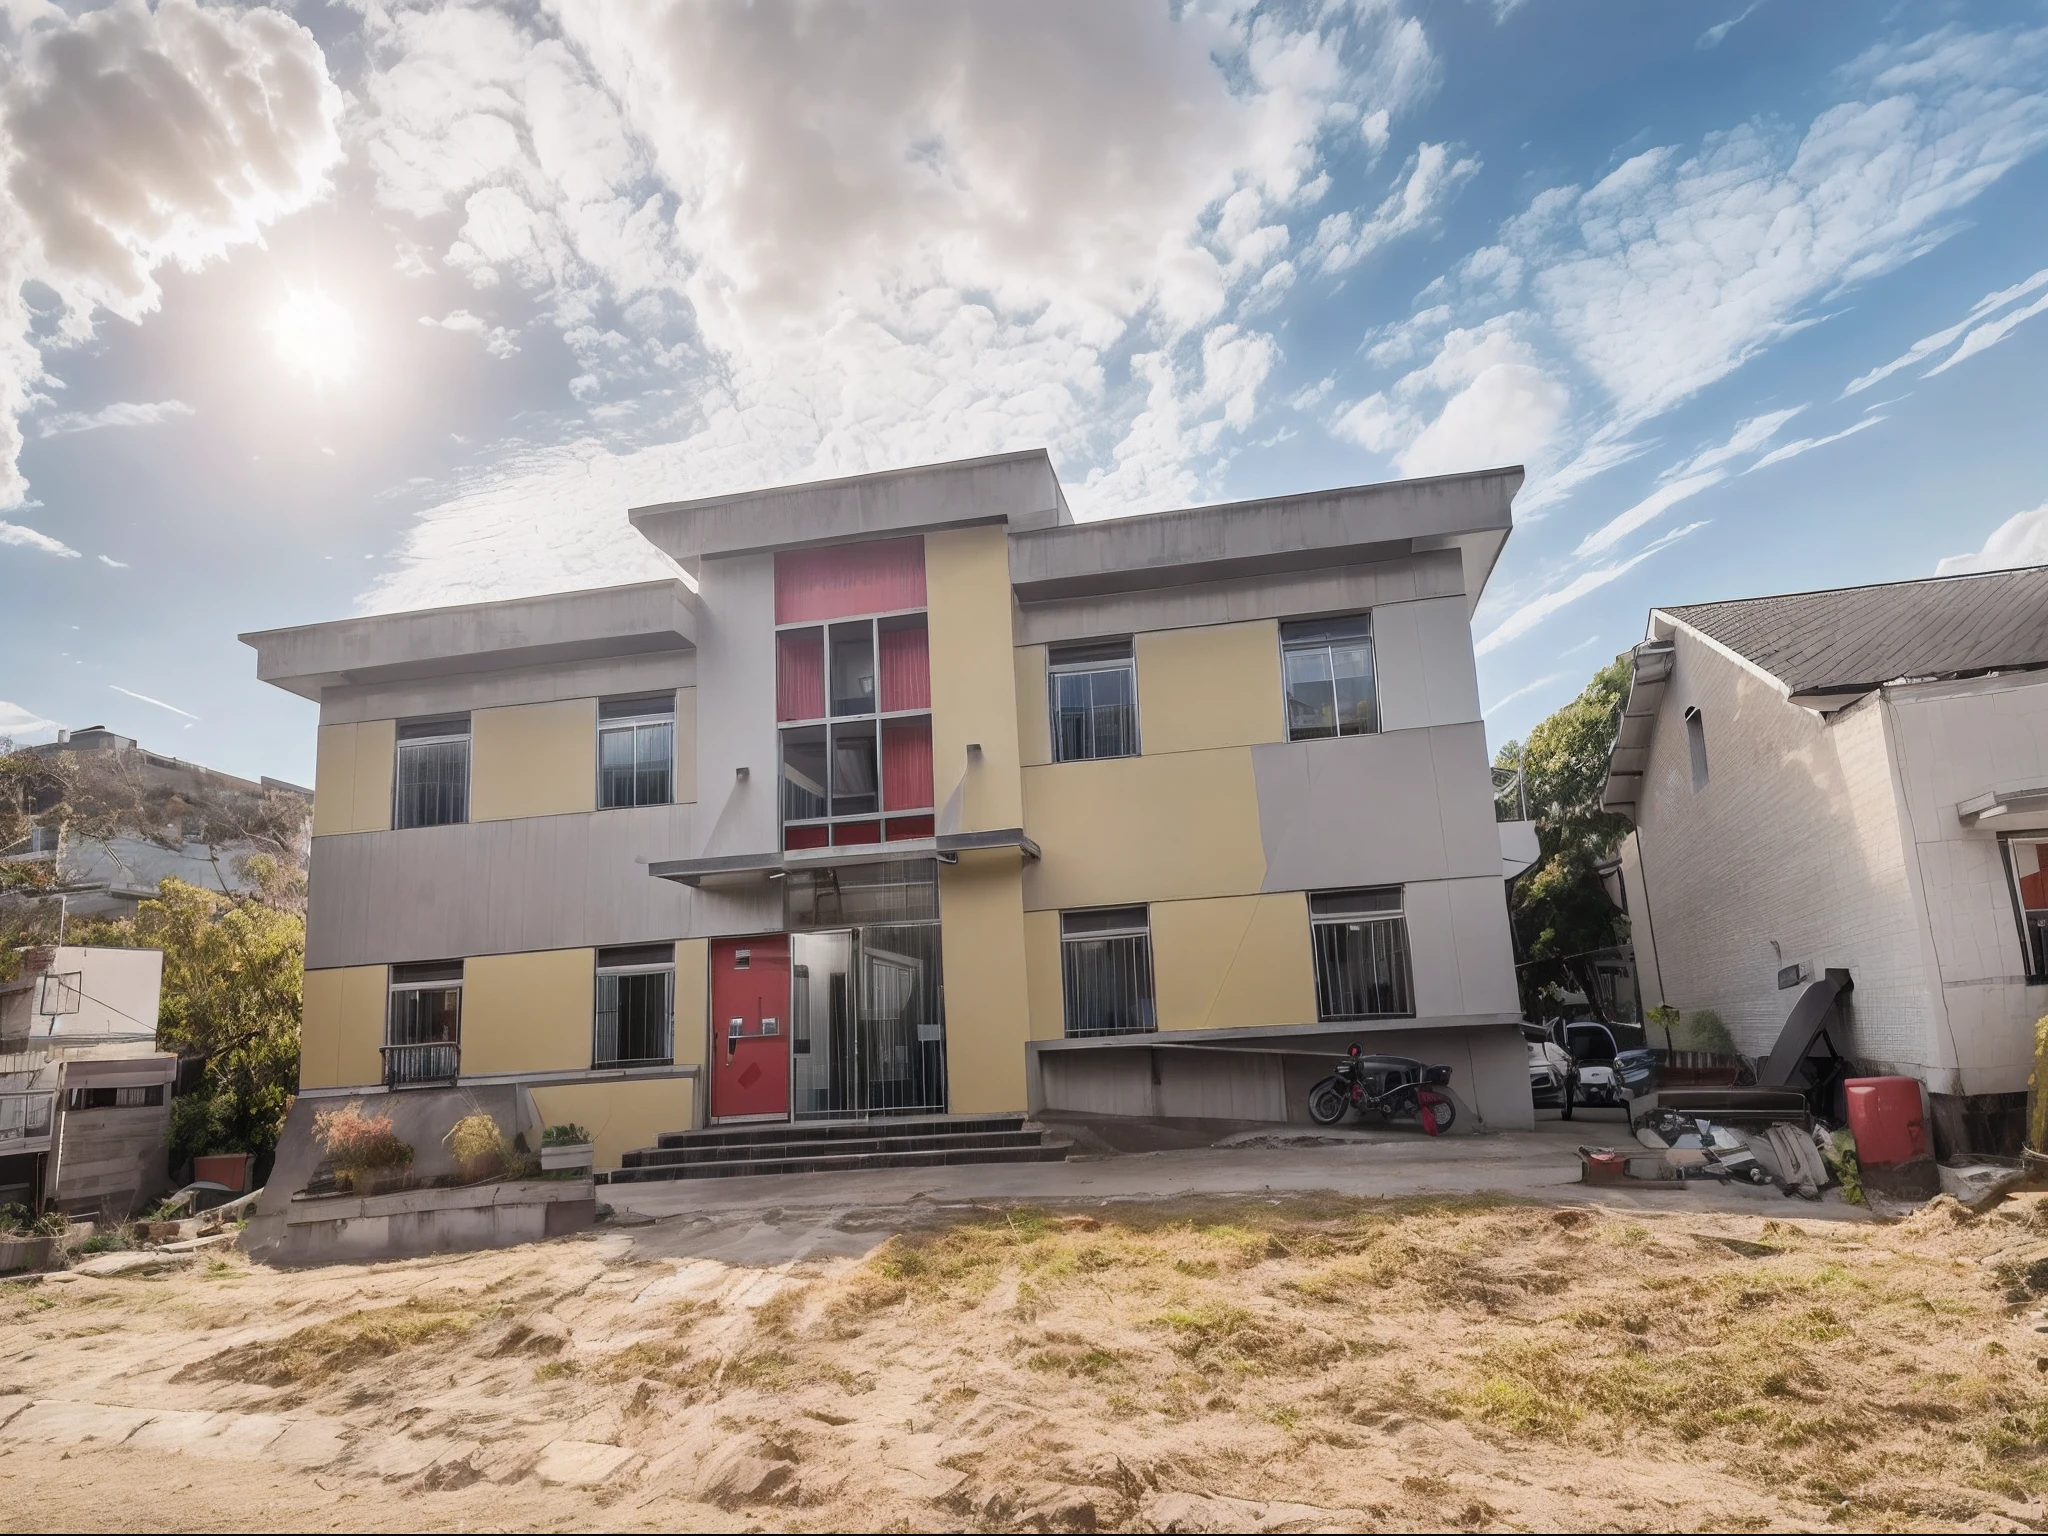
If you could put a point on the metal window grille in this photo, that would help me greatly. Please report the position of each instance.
(1094, 700)
(1327, 668)
(432, 781)
(423, 1028)
(1106, 972)
(635, 1017)
(635, 762)
(1360, 939)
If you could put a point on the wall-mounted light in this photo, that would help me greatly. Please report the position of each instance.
(974, 749)
(739, 773)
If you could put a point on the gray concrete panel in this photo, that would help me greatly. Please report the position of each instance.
(634, 619)
(653, 673)
(736, 708)
(1019, 489)
(1383, 809)
(1287, 595)
(1423, 655)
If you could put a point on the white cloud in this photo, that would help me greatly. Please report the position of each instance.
(135, 136)
(498, 340)
(1711, 38)
(28, 538)
(1927, 346)
(2021, 539)
(122, 413)
(23, 725)
(112, 564)
(1482, 400)
(1525, 618)
(1651, 507)
(1524, 691)
(1342, 241)
(854, 237)
(143, 698)
(1792, 450)
(1989, 334)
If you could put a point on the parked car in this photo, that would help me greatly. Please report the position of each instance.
(1553, 1075)
(1614, 1060)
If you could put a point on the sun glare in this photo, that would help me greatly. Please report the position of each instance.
(315, 337)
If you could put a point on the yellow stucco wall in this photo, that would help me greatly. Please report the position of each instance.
(352, 768)
(686, 746)
(528, 1012)
(1153, 828)
(533, 760)
(1034, 711)
(1233, 962)
(974, 682)
(341, 1027)
(1217, 686)
(620, 1116)
(693, 1000)
(1042, 970)
(988, 1012)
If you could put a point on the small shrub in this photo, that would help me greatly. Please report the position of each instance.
(1705, 1031)
(569, 1135)
(478, 1146)
(360, 1146)
(18, 1221)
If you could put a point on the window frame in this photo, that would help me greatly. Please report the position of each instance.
(831, 724)
(415, 983)
(1393, 917)
(1327, 645)
(2033, 961)
(1117, 655)
(622, 965)
(1146, 973)
(647, 718)
(466, 736)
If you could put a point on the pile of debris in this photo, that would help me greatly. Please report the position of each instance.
(1798, 1156)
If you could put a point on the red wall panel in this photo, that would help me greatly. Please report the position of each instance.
(800, 674)
(844, 580)
(906, 669)
(906, 764)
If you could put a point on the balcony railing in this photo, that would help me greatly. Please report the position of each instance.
(25, 1117)
(407, 1066)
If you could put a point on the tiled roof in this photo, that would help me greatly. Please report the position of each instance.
(1854, 638)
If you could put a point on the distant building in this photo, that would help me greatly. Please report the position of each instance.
(108, 877)
(85, 1096)
(1855, 779)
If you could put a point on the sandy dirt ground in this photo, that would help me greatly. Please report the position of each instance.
(1298, 1363)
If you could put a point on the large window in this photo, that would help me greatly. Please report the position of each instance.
(1094, 701)
(431, 787)
(854, 699)
(636, 1006)
(1106, 971)
(423, 1027)
(1360, 940)
(2027, 864)
(636, 748)
(1327, 667)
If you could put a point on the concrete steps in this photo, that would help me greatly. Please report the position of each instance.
(836, 1146)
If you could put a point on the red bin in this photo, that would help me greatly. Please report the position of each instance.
(1886, 1119)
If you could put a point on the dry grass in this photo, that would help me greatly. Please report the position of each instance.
(1409, 1364)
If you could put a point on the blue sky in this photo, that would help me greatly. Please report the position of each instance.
(336, 308)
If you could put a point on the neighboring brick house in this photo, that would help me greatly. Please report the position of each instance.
(1854, 778)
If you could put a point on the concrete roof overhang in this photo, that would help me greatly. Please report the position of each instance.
(636, 619)
(1315, 530)
(1630, 757)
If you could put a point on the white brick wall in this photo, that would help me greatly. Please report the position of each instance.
(1796, 838)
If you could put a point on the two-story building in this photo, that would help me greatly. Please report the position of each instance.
(915, 796)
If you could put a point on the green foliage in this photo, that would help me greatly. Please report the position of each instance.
(1558, 907)
(1705, 1031)
(570, 1135)
(20, 1221)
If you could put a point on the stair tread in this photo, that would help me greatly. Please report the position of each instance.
(769, 1132)
(836, 1162)
(660, 1155)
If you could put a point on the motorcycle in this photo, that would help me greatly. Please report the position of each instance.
(1397, 1087)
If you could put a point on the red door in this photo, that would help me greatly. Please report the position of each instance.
(750, 1026)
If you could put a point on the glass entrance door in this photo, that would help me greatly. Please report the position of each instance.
(867, 1030)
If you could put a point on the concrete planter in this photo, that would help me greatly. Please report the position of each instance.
(19, 1253)
(328, 1229)
(564, 1156)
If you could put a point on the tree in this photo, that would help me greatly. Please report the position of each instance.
(1559, 908)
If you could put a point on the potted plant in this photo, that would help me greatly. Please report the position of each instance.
(564, 1147)
(360, 1147)
(28, 1242)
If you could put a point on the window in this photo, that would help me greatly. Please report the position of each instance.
(117, 1098)
(2026, 863)
(1327, 668)
(854, 699)
(423, 1029)
(636, 743)
(1094, 695)
(1106, 971)
(636, 1006)
(432, 781)
(1696, 744)
(1360, 940)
